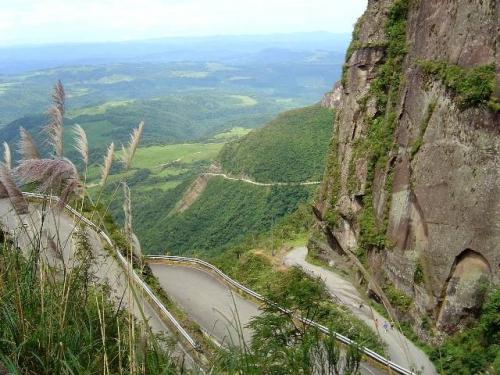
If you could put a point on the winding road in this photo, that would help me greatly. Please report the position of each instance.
(59, 227)
(212, 304)
(400, 349)
(248, 181)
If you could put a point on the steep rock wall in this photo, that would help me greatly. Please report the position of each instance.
(413, 176)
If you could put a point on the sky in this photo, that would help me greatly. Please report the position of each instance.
(60, 21)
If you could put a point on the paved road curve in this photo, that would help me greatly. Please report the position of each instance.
(208, 301)
(401, 350)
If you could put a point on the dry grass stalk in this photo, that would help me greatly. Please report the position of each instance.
(59, 97)
(106, 167)
(127, 210)
(81, 144)
(7, 155)
(129, 152)
(55, 248)
(16, 196)
(54, 128)
(27, 147)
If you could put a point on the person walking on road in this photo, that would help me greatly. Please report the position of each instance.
(386, 326)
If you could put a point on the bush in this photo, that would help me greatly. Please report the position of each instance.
(475, 349)
(471, 87)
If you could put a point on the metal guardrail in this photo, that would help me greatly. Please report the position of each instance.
(126, 265)
(343, 339)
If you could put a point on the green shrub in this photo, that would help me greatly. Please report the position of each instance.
(397, 298)
(476, 349)
(418, 276)
(471, 87)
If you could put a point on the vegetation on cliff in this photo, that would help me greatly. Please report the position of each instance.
(476, 349)
(471, 87)
(377, 144)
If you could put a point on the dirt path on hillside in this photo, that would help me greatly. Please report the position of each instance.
(248, 181)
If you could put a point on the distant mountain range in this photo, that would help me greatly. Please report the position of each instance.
(226, 49)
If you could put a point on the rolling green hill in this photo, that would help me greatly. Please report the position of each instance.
(289, 149)
(228, 211)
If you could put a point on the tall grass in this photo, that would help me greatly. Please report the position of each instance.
(68, 326)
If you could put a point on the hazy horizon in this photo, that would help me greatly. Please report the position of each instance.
(177, 38)
(47, 22)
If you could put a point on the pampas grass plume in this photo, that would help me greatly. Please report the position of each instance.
(27, 147)
(108, 161)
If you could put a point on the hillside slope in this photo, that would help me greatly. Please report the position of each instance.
(412, 180)
(227, 211)
(289, 149)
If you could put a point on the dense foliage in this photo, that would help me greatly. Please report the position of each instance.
(224, 214)
(291, 148)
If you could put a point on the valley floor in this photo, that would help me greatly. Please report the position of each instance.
(400, 349)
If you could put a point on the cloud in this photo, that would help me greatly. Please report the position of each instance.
(43, 21)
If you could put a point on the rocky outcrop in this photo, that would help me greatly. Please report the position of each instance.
(333, 98)
(413, 175)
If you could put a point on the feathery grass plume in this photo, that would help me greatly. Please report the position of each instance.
(52, 176)
(54, 128)
(27, 147)
(127, 210)
(129, 152)
(7, 156)
(108, 161)
(59, 97)
(16, 196)
(81, 144)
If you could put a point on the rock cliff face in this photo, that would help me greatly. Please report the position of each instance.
(413, 176)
